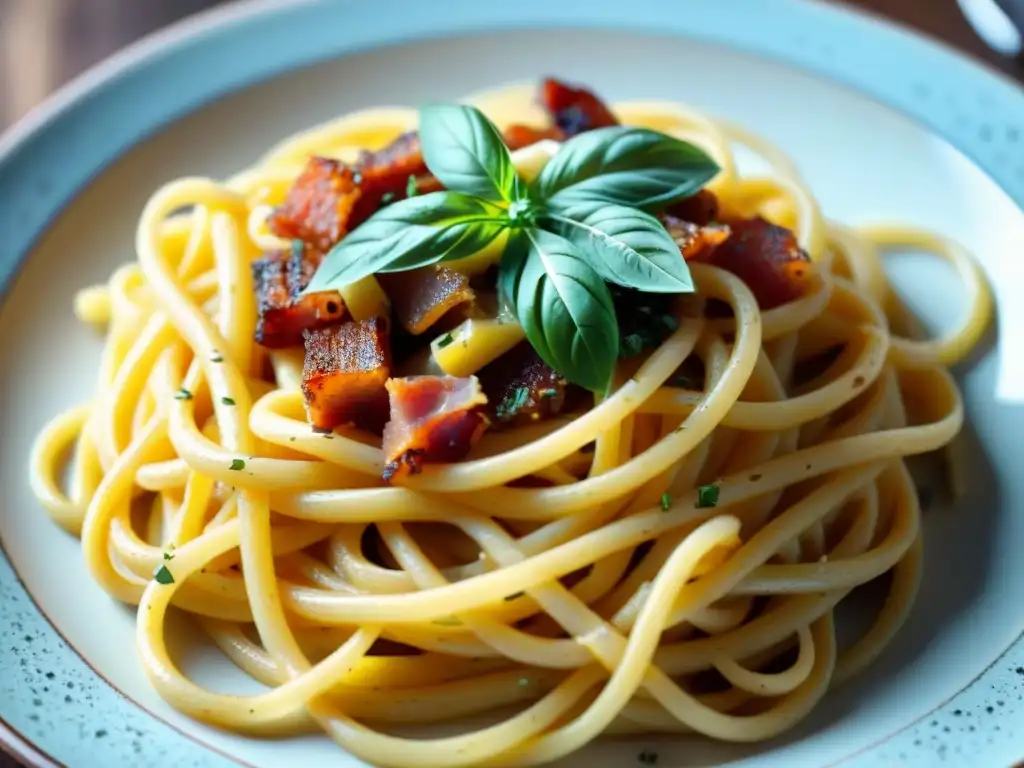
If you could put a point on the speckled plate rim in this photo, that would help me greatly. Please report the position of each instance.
(51, 154)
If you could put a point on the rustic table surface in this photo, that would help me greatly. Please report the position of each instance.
(44, 43)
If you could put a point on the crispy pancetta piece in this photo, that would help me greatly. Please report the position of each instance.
(278, 279)
(384, 175)
(694, 240)
(521, 388)
(433, 419)
(329, 198)
(399, 160)
(387, 171)
(403, 157)
(574, 110)
(318, 207)
(519, 136)
(343, 380)
(421, 297)
(700, 209)
(767, 258)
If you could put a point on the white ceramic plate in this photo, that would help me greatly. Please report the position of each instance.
(897, 144)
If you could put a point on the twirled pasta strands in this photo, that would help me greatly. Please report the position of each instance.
(525, 597)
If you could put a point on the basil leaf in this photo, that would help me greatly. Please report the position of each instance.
(626, 246)
(564, 306)
(466, 153)
(510, 267)
(411, 233)
(624, 166)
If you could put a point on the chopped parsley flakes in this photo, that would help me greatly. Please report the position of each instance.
(631, 345)
(410, 187)
(669, 323)
(684, 381)
(182, 394)
(513, 403)
(227, 401)
(237, 465)
(707, 495)
(666, 502)
(445, 341)
(164, 575)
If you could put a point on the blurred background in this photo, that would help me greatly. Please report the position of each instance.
(44, 43)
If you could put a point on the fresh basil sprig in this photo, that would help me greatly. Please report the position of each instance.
(562, 303)
(584, 222)
(441, 226)
(625, 245)
(620, 165)
(465, 152)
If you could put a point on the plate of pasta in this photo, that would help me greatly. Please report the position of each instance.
(416, 389)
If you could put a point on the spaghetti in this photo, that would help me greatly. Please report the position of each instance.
(567, 574)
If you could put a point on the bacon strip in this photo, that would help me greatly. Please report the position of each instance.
(403, 157)
(318, 206)
(329, 199)
(521, 388)
(767, 258)
(574, 110)
(700, 209)
(343, 380)
(694, 240)
(433, 419)
(278, 279)
(400, 159)
(519, 136)
(384, 175)
(421, 297)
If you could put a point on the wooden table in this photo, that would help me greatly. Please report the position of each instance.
(44, 43)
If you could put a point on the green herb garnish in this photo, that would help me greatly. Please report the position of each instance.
(237, 465)
(445, 341)
(549, 393)
(164, 575)
(182, 394)
(523, 682)
(217, 358)
(227, 401)
(684, 381)
(631, 345)
(387, 198)
(666, 501)
(583, 224)
(515, 596)
(513, 403)
(707, 495)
